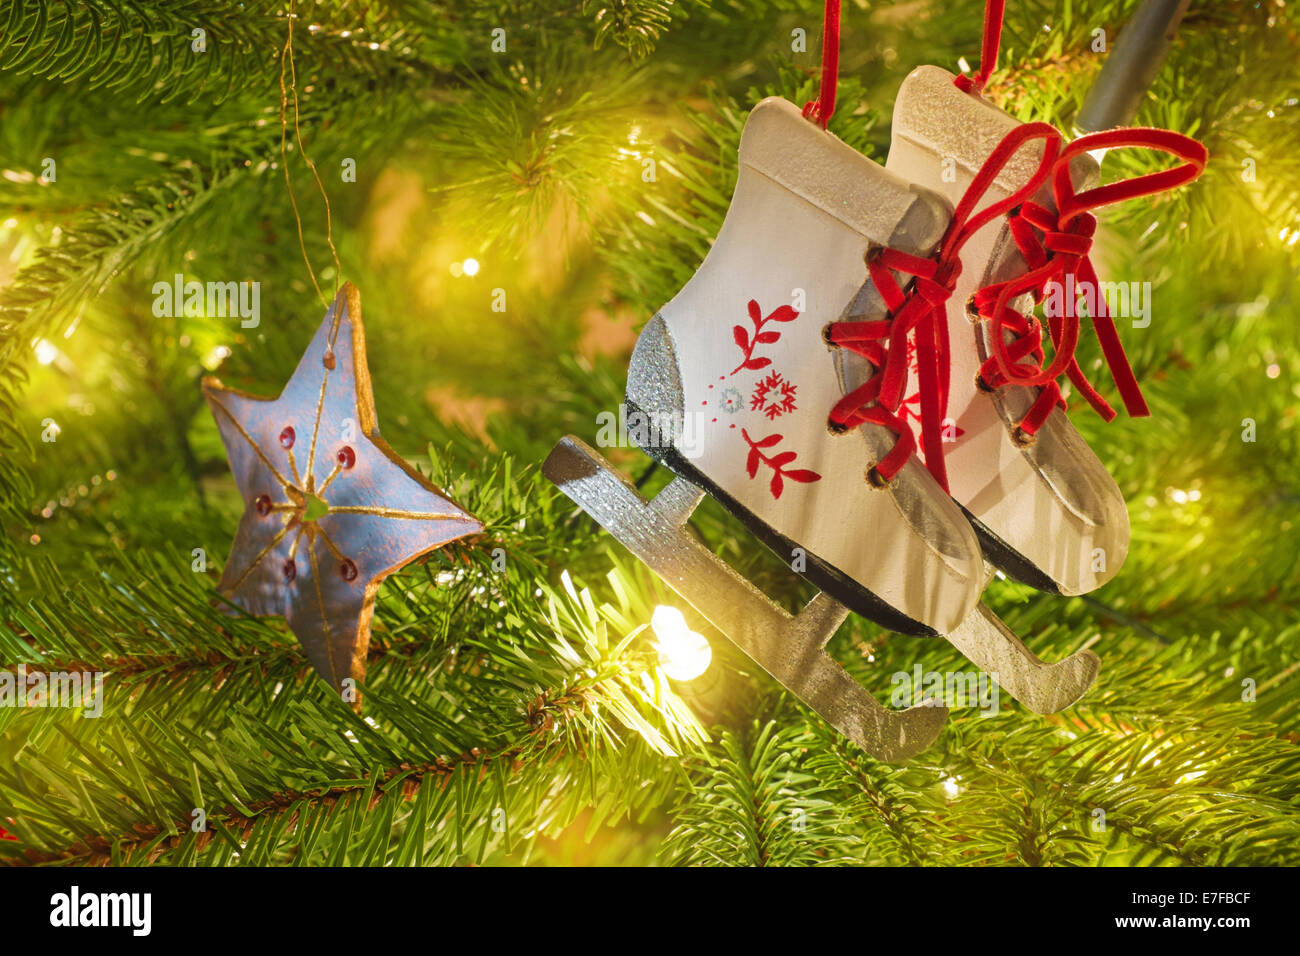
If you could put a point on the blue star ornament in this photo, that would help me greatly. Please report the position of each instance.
(330, 509)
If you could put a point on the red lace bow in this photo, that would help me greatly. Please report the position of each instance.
(1056, 247)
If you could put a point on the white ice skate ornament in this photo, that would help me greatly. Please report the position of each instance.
(1045, 507)
(1040, 522)
(732, 363)
(916, 325)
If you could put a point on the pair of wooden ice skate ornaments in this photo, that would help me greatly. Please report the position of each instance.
(899, 423)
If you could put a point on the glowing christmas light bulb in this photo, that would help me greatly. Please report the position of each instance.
(471, 267)
(45, 352)
(683, 654)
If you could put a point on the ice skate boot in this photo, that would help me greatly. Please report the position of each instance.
(913, 339)
(1045, 508)
(730, 386)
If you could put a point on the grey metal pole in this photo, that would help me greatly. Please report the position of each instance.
(1131, 66)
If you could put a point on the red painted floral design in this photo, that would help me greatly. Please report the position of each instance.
(747, 343)
(773, 396)
(776, 462)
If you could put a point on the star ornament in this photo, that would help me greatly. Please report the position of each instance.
(330, 509)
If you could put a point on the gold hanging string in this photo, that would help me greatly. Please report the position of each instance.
(286, 63)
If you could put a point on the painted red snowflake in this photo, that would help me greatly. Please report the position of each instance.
(773, 396)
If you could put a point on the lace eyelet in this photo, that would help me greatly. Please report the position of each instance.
(836, 428)
(972, 311)
(826, 336)
(1022, 438)
(875, 479)
(872, 253)
(982, 385)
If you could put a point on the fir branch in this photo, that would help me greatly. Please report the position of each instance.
(563, 706)
(178, 50)
(755, 805)
(635, 25)
(876, 798)
(295, 808)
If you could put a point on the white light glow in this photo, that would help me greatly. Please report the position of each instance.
(471, 267)
(683, 654)
(46, 352)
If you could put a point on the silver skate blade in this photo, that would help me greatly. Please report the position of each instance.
(789, 647)
(1043, 687)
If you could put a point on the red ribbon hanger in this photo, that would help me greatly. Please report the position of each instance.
(993, 10)
(820, 109)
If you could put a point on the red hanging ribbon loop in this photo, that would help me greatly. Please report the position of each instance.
(993, 10)
(820, 109)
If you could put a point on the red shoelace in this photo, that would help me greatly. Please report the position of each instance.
(1055, 247)
(922, 313)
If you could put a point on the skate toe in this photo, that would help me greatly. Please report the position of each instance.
(944, 561)
(1090, 546)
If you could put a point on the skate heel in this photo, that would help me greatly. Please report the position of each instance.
(791, 648)
(654, 390)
